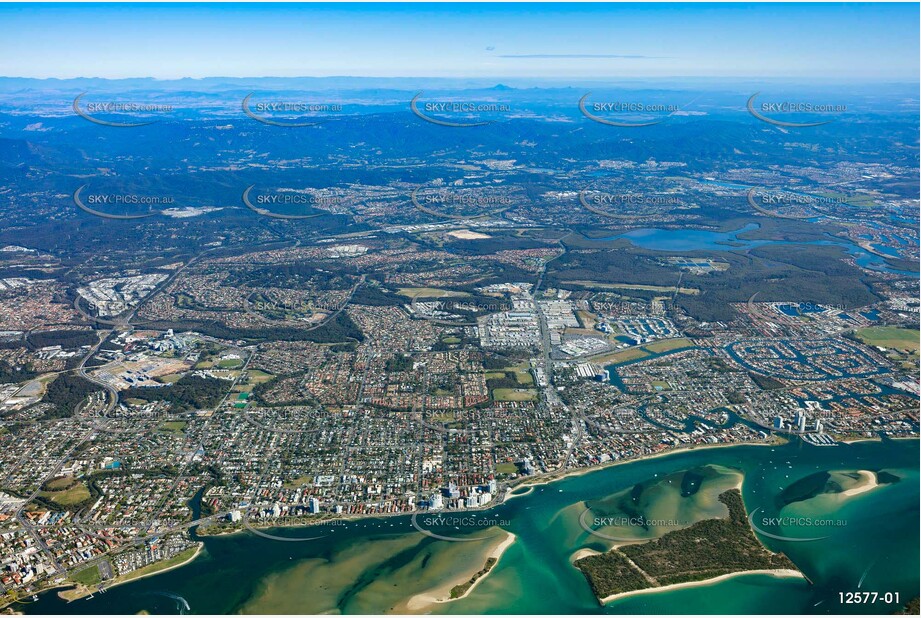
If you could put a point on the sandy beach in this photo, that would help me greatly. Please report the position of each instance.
(79, 591)
(585, 552)
(550, 477)
(529, 490)
(198, 550)
(704, 582)
(866, 483)
(421, 603)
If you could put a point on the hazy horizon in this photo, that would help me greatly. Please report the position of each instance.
(849, 42)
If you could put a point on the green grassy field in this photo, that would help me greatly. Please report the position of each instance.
(59, 484)
(298, 482)
(88, 576)
(173, 426)
(430, 293)
(667, 345)
(632, 354)
(522, 373)
(258, 377)
(514, 394)
(623, 356)
(890, 337)
(68, 497)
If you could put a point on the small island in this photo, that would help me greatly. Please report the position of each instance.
(706, 550)
(461, 589)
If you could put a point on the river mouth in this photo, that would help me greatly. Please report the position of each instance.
(362, 566)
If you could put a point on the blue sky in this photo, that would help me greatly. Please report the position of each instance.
(834, 41)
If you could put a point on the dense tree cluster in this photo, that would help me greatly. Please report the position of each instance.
(188, 393)
(338, 330)
(8, 373)
(707, 549)
(65, 393)
(63, 338)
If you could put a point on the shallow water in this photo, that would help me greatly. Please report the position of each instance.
(372, 565)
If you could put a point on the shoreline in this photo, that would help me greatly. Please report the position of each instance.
(539, 480)
(619, 544)
(585, 552)
(81, 592)
(423, 601)
(542, 480)
(552, 477)
(703, 582)
(868, 482)
(878, 439)
(200, 546)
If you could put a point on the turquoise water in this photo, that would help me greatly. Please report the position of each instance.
(877, 546)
